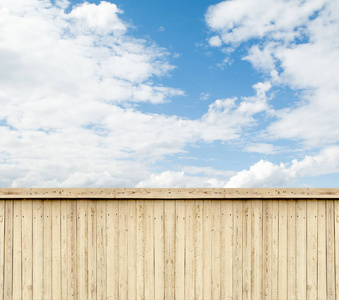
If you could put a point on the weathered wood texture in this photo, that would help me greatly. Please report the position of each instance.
(169, 249)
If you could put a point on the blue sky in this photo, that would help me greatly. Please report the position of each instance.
(152, 93)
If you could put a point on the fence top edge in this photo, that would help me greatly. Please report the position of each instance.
(169, 193)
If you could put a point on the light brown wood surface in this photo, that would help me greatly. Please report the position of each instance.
(169, 249)
(172, 193)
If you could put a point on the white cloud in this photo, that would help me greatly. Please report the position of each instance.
(67, 88)
(204, 96)
(215, 41)
(181, 179)
(240, 20)
(266, 174)
(263, 148)
(101, 18)
(296, 43)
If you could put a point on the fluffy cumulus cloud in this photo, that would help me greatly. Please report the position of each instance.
(266, 174)
(70, 79)
(295, 44)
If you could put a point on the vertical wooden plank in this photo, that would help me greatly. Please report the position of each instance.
(123, 249)
(2, 246)
(27, 249)
(226, 249)
(219, 242)
(198, 248)
(291, 249)
(56, 247)
(112, 249)
(190, 255)
(275, 249)
(247, 249)
(257, 249)
(71, 241)
(330, 249)
(38, 249)
(336, 246)
(301, 249)
(8, 273)
(17, 272)
(267, 249)
(282, 279)
(283, 248)
(149, 250)
(169, 224)
(321, 251)
(82, 250)
(159, 249)
(47, 249)
(132, 248)
(207, 251)
(92, 248)
(140, 254)
(64, 249)
(101, 250)
(312, 260)
(237, 250)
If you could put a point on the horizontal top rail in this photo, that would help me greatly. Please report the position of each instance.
(168, 193)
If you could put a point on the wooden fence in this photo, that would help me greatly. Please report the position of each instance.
(169, 244)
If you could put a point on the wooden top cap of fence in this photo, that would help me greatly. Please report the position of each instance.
(172, 193)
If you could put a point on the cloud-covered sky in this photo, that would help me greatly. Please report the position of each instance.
(169, 94)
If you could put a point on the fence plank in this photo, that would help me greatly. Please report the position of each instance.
(336, 246)
(17, 233)
(291, 250)
(123, 249)
(237, 250)
(159, 250)
(82, 249)
(282, 279)
(2, 246)
(321, 249)
(56, 254)
(207, 280)
(140, 249)
(198, 248)
(92, 249)
(27, 249)
(301, 249)
(101, 250)
(132, 248)
(149, 249)
(47, 249)
(257, 249)
(112, 250)
(71, 241)
(312, 258)
(275, 249)
(8, 273)
(217, 241)
(64, 249)
(247, 249)
(180, 211)
(330, 249)
(267, 249)
(190, 253)
(38, 249)
(225, 249)
(169, 229)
